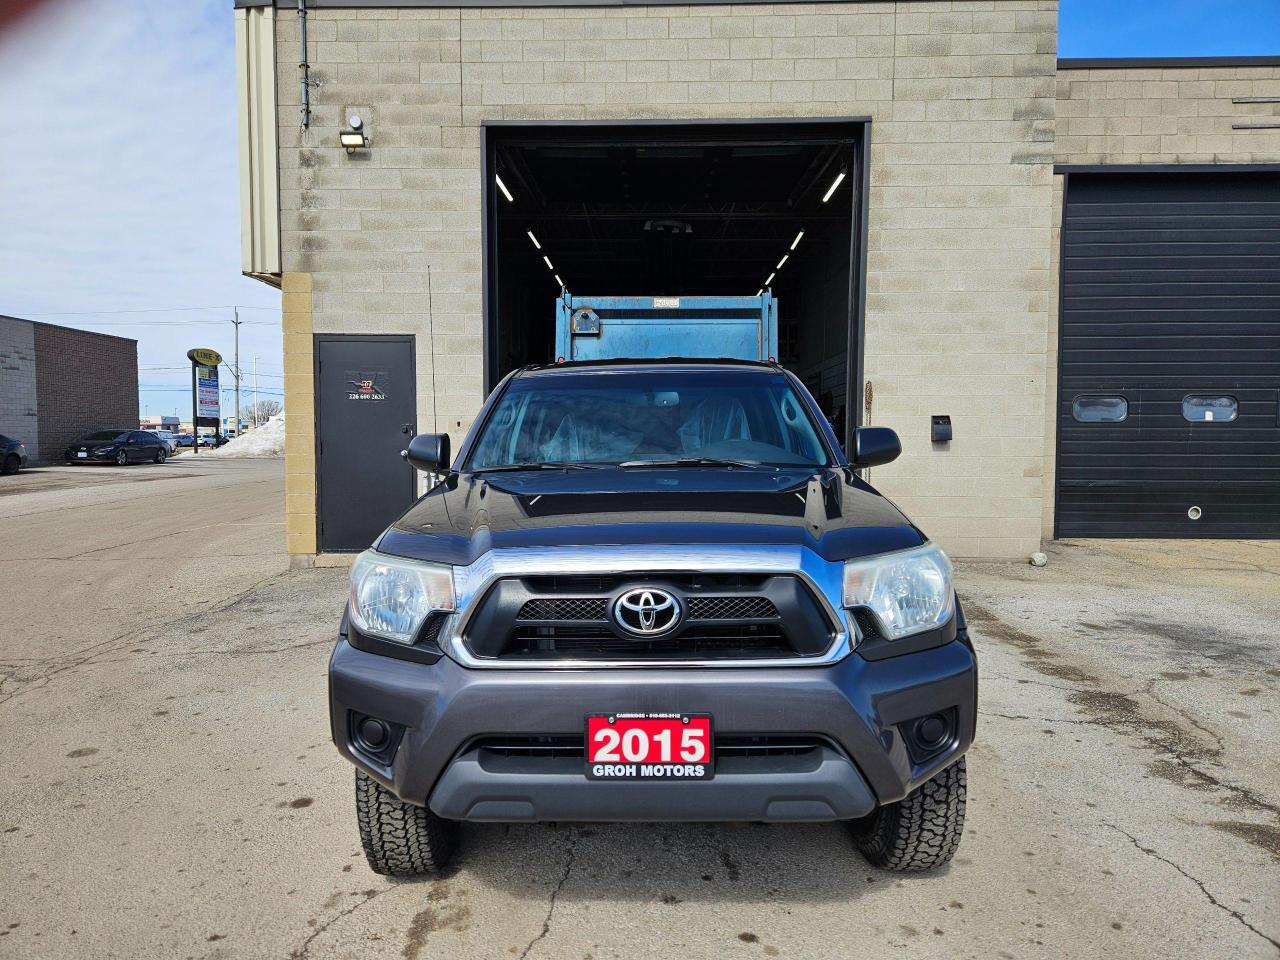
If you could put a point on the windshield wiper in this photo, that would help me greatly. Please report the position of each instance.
(542, 465)
(691, 462)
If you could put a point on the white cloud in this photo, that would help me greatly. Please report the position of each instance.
(119, 182)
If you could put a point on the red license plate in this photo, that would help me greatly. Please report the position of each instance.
(649, 746)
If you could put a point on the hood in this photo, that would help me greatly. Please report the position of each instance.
(831, 512)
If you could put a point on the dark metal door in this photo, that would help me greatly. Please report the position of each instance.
(1170, 314)
(366, 405)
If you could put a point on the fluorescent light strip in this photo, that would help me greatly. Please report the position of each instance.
(769, 279)
(558, 280)
(547, 261)
(796, 242)
(760, 291)
(507, 193)
(830, 190)
(784, 259)
(539, 246)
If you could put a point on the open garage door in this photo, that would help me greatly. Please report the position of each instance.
(679, 211)
(1169, 397)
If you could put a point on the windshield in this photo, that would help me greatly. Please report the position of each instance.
(662, 418)
(108, 435)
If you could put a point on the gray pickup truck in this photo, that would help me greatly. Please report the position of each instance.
(654, 590)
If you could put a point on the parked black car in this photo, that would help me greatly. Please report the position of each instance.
(13, 454)
(119, 447)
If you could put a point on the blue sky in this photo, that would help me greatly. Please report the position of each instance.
(1168, 28)
(124, 196)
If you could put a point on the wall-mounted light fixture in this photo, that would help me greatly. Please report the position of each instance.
(354, 137)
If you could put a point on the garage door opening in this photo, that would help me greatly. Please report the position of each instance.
(680, 210)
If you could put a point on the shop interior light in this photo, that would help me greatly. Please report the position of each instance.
(760, 291)
(830, 190)
(769, 279)
(547, 261)
(796, 242)
(558, 280)
(536, 244)
(507, 193)
(784, 259)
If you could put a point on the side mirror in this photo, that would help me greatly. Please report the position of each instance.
(429, 452)
(875, 445)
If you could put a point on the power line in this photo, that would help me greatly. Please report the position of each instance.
(98, 313)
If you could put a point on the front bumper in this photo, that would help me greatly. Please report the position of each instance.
(856, 708)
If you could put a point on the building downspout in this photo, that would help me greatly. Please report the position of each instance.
(304, 68)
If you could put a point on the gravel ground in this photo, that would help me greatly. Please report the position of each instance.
(168, 788)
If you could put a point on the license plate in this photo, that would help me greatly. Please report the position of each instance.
(82, 455)
(649, 746)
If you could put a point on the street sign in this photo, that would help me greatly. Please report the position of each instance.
(205, 396)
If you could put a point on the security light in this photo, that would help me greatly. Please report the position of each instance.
(785, 257)
(834, 184)
(796, 242)
(507, 193)
(353, 139)
(547, 261)
(534, 239)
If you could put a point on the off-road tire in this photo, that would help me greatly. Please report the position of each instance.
(11, 464)
(922, 830)
(400, 839)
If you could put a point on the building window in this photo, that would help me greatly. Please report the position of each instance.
(1099, 409)
(1209, 409)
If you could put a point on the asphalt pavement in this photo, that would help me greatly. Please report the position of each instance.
(168, 788)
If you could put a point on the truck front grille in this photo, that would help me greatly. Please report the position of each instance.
(727, 616)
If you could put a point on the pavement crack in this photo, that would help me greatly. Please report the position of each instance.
(1019, 716)
(551, 906)
(1239, 917)
(369, 895)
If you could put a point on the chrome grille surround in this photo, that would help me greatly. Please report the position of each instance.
(825, 579)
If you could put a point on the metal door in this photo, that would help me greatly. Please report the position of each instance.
(366, 407)
(1168, 424)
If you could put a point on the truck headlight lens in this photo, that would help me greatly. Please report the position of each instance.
(390, 597)
(907, 592)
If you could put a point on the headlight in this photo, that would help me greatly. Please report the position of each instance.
(390, 598)
(908, 592)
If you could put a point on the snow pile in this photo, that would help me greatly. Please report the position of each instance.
(264, 441)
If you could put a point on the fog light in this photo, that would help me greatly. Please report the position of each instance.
(373, 733)
(930, 735)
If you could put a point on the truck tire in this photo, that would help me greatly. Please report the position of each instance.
(922, 830)
(401, 839)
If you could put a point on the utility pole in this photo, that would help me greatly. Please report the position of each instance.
(255, 391)
(236, 321)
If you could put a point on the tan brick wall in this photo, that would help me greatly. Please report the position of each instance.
(300, 418)
(961, 95)
(1167, 115)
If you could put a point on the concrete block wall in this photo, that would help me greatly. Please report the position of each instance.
(18, 383)
(1167, 115)
(961, 96)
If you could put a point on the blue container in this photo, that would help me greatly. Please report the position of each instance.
(605, 328)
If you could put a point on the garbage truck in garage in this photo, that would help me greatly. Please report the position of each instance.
(652, 586)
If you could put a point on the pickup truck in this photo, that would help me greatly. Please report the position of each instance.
(654, 591)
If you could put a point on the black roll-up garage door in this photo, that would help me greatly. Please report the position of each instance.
(1169, 396)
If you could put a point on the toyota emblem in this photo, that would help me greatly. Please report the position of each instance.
(646, 611)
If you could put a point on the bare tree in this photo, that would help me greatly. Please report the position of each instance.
(262, 411)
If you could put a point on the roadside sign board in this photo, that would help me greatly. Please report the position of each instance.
(205, 395)
(206, 392)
